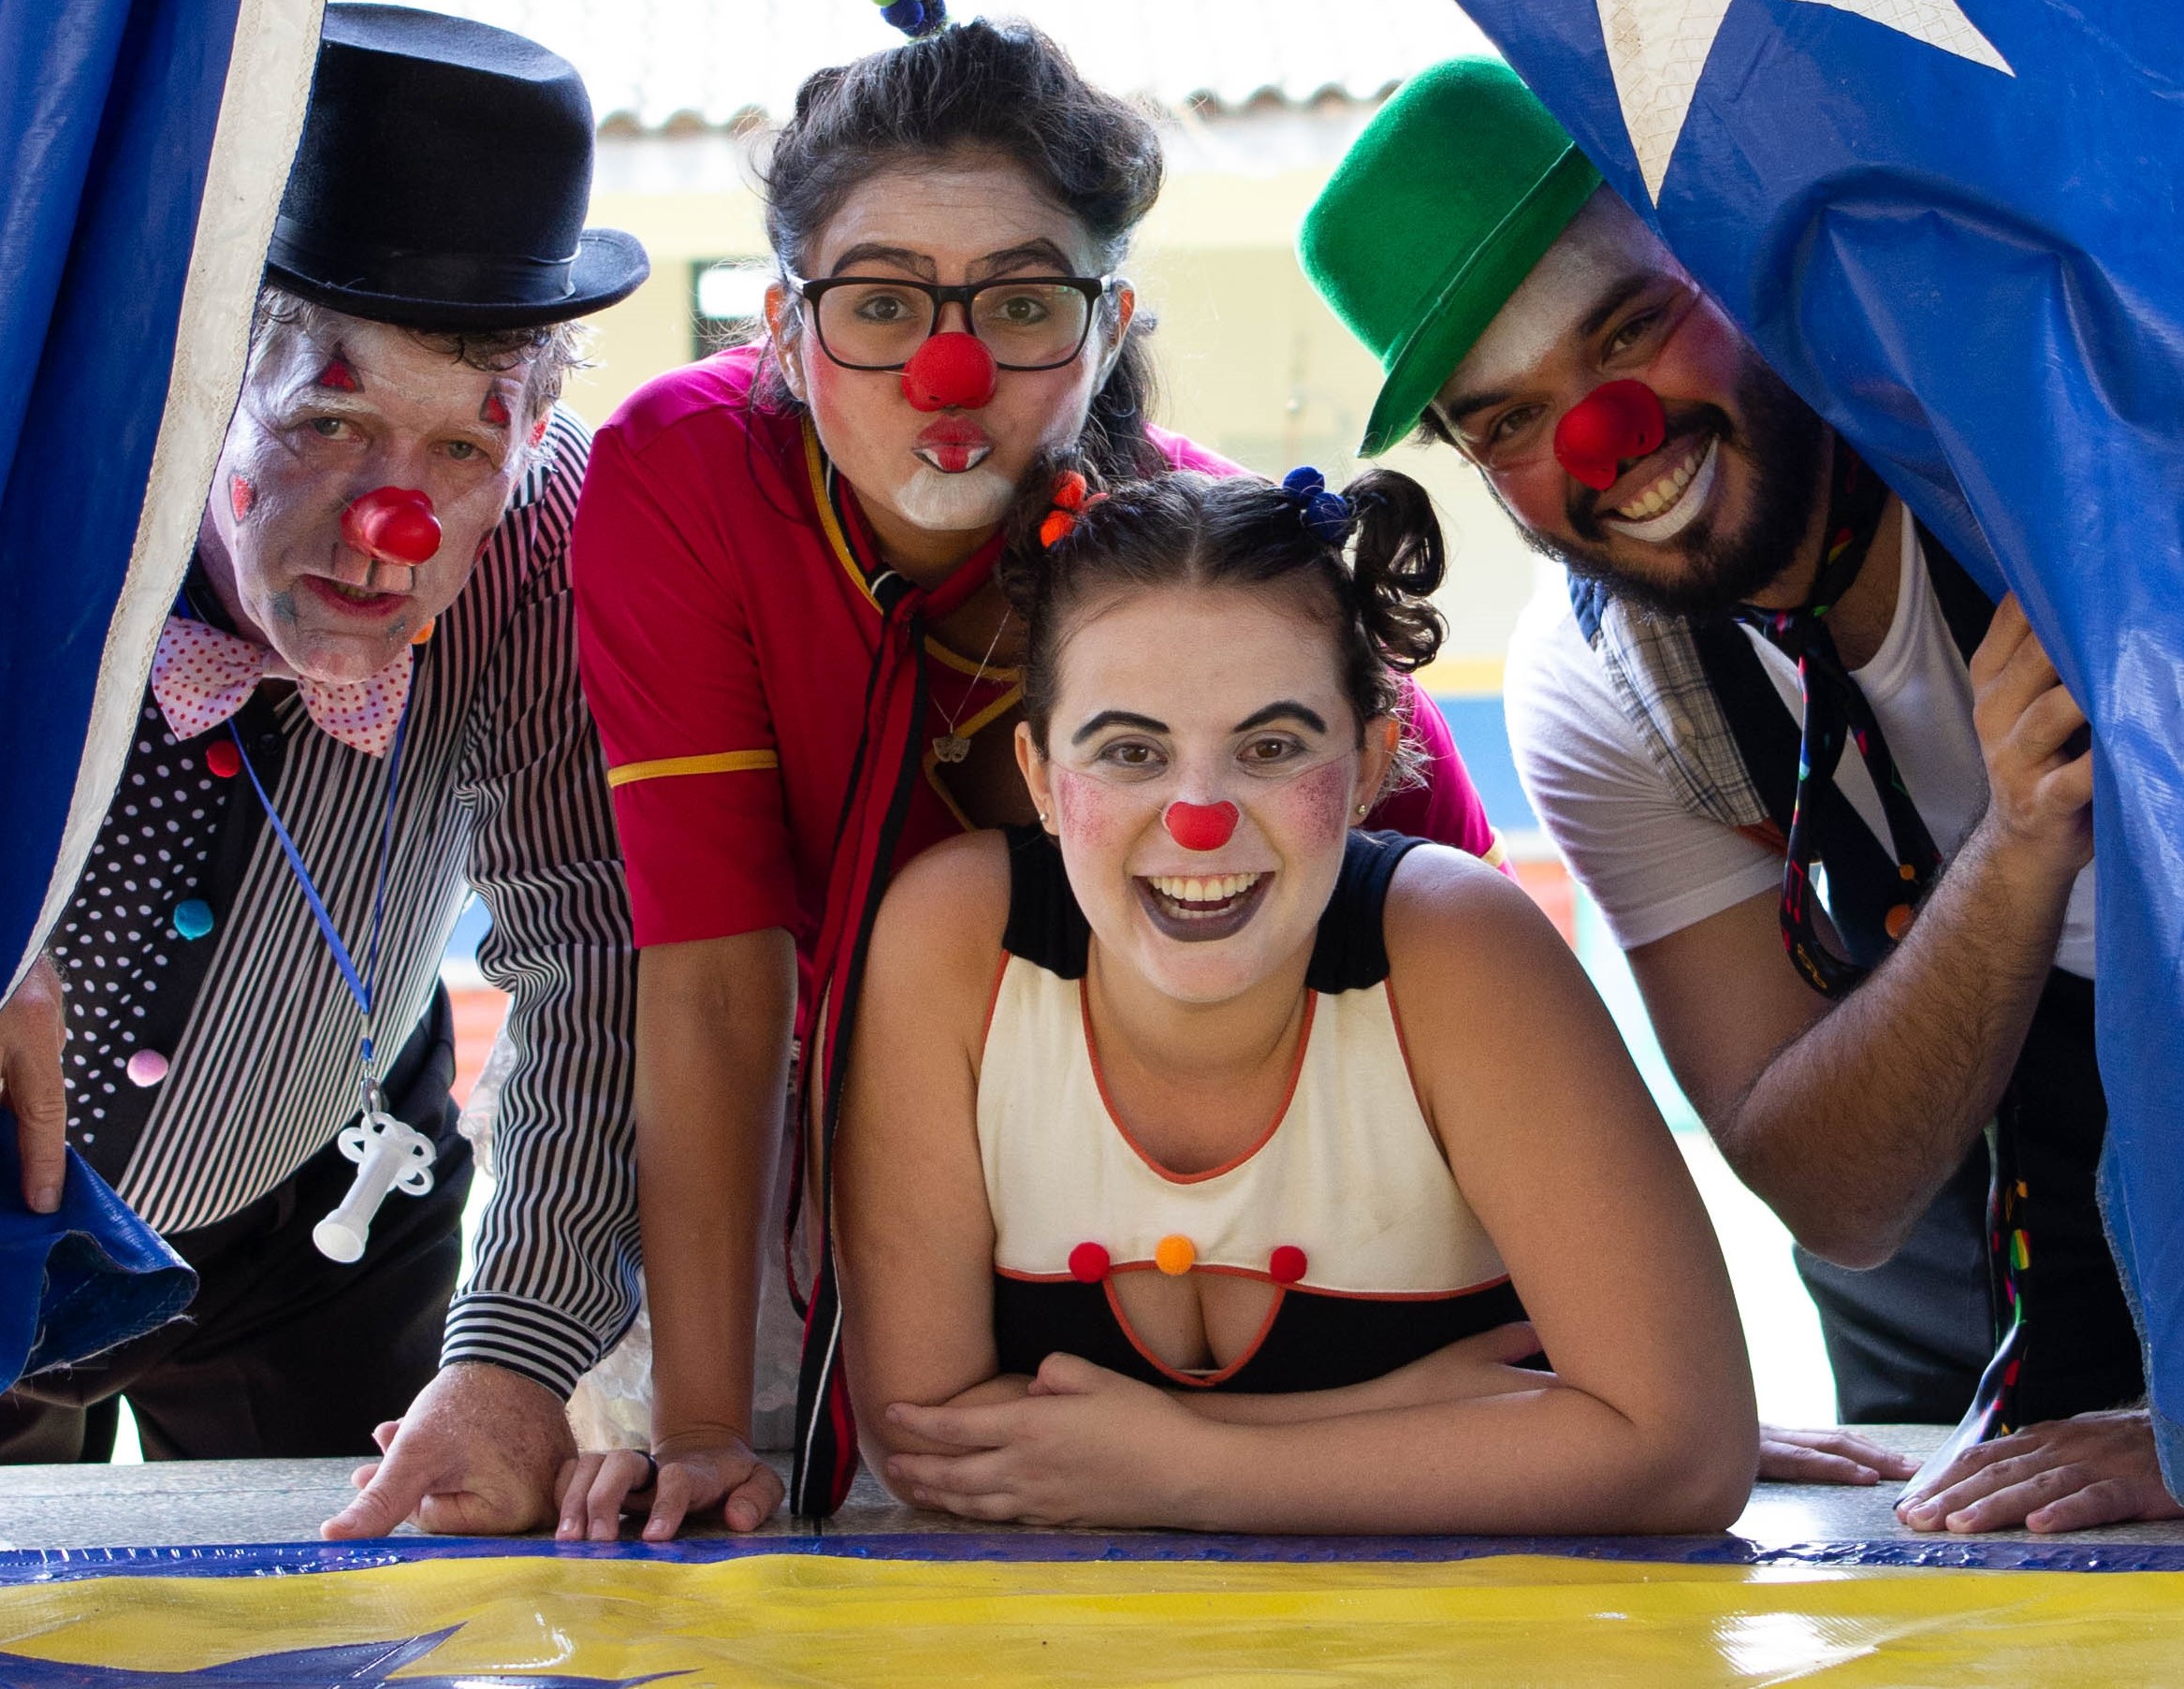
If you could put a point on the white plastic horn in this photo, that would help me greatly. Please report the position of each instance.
(389, 1156)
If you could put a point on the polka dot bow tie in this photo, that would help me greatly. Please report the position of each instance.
(201, 676)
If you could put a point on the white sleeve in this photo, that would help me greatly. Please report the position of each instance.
(1651, 865)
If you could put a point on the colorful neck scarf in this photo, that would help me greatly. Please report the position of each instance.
(201, 676)
(1836, 710)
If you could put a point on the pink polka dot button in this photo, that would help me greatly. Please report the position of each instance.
(147, 1067)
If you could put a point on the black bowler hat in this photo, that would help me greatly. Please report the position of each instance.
(442, 177)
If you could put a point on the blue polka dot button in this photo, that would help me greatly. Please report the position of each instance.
(193, 919)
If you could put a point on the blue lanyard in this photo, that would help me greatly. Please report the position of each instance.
(361, 987)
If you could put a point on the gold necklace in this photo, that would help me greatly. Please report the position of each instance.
(951, 747)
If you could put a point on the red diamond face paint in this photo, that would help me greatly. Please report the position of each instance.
(494, 411)
(241, 495)
(538, 430)
(339, 377)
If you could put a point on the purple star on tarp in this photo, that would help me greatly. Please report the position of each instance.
(352, 1666)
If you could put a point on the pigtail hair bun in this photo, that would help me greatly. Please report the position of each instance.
(1398, 561)
(1027, 567)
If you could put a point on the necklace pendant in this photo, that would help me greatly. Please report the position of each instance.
(951, 748)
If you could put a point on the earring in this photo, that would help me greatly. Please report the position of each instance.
(1363, 810)
(1043, 818)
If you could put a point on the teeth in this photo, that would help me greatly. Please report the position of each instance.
(354, 594)
(1216, 888)
(1663, 493)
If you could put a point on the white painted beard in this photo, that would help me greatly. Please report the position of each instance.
(944, 504)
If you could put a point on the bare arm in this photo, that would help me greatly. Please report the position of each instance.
(913, 1227)
(1848, 1119)
(31, 1036)
(713, 1025)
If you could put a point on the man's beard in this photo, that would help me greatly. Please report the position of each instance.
(1713, 571)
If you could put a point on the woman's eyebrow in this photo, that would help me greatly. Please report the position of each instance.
(1116, 718)
(1287, 710)
(1042, 252)
(873, 251)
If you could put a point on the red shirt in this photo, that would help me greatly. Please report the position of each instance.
(726, 636)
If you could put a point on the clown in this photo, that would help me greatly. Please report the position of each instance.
(1765, 713)
(804, 668)
(363, 706)
(1200, 1143)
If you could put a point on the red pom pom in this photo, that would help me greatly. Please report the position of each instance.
(1056, 527)
(1607, 429)
(950, 371)
(1069, 491)
(396, 523)
(223, 758)
(1089, 1264)
(1286, 1265)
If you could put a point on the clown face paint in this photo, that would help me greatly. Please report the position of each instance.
(934, 484)
(332, 408)
(1206, 696)
(1721, 507)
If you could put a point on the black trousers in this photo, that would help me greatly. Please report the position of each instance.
(1908, 1340)
(284, 1353)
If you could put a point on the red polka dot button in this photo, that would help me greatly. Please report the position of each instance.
(1089, 1264)
(1286, 1265)
(223, 758)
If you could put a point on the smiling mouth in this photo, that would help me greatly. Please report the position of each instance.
(1668, 505)
(1195, 908)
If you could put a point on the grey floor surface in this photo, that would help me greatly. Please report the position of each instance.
(200, 1503)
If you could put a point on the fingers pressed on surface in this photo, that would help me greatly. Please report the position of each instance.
(993, 1508)
(752, 1502)
(2105, 1501)
(671, 1502)
(1801, 1465)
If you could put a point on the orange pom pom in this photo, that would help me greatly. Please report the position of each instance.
(1175, 1254)
(1069, 491)
(1058, 525)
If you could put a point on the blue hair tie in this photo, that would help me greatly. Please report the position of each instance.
(1327, 515)
(916, 18)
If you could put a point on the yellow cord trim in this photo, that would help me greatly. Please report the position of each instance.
(719, 762)
(815, 465)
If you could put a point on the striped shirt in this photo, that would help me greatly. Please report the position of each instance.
(503, 790)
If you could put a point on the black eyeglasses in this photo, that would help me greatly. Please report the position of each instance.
(1027, 322)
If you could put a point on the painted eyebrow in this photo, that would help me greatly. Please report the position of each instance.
(1041, 251)
(874, 252)
(1613, 301)
(1116, 718)
(1287, 710)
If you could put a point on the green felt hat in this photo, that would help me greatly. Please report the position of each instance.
(1455, 190)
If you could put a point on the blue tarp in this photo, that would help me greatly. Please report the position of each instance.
(1955, 230)
(107, 117)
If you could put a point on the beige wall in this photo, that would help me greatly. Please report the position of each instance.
(1251, 363)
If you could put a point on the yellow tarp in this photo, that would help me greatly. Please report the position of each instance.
(808, 1621)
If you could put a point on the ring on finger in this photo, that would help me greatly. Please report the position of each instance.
(651, 1478)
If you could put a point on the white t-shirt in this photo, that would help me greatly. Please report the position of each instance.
(1653, 866)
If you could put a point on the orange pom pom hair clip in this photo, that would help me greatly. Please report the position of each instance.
(1071, 499)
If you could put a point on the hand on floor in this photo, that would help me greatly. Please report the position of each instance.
(1826, 1457)
(476, 1455)
(2064, 1474)
(691, 1473)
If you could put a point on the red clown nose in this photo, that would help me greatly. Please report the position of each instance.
(1201, 826)
(1608, 427)
(950, 371)
(394, 523)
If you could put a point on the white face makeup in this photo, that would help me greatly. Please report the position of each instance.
(332, 409)
(1208, 696)
(954, 472)
(1604, 243)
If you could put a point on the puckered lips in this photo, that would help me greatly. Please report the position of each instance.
(1662, 494)
(1195, 908)
(952, 445)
